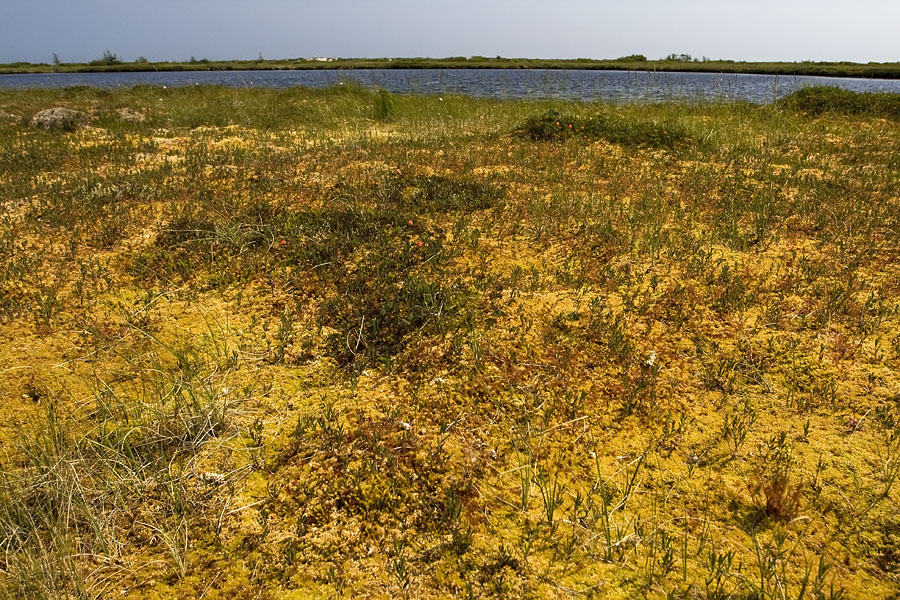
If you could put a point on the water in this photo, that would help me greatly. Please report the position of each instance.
(615, 86)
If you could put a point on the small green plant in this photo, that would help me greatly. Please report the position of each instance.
(774, 480)
(284, 337)
(400, 566)
(461, 537)
(720, 579)
(47, 304)
(737, 423)
(552, 492)
(526, 480)
(255, 432)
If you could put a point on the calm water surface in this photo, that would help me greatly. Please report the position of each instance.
(616, 86)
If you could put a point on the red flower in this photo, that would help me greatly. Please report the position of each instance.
(283, 242)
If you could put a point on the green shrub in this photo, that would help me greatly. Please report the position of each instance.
(827, 99)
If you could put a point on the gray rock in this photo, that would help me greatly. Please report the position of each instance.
(59, 119)
(132, 116)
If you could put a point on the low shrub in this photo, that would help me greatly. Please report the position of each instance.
(827, 99)
(553, 126)
(378, 248)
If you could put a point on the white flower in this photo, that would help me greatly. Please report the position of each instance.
(652, 359)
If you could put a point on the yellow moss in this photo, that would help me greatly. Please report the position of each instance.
(525, 378)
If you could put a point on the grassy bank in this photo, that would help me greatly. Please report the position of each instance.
(826, 69)
(336, 343)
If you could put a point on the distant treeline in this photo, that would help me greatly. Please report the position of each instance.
(637, 62)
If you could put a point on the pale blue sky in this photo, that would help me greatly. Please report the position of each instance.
(79, 30)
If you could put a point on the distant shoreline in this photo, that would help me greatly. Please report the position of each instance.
(821, 69)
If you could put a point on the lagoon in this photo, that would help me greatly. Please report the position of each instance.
(588, 85)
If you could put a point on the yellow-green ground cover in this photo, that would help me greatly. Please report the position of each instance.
(294, 344)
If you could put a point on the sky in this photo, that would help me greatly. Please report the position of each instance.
(81, 30)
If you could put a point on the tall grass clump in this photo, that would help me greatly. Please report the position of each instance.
(385, 106)
(78, 488)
